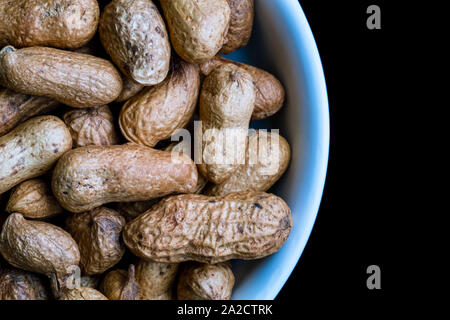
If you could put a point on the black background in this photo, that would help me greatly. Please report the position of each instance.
(357, 224)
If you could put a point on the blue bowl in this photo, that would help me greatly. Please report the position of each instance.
(283, 44)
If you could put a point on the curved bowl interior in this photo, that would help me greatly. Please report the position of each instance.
(283, 44)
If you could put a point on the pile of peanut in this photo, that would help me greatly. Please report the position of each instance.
(96, 202)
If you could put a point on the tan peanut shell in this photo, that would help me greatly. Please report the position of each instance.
(82, 293)
(91, 126)
(87, 177)
(241, 25)
(129, 89)
(200, 281)
(97, 233)
(156, 280)
(39, 247)
(270, 93)
(16, 284)
(226, 103)
(267, 158)
(55, 23)
(134, 35)
(31, 149)
(156, 112)
(121, 285)
(75, 79)
(245, 225)
(15, 108)
(34, 200)
(197, 28)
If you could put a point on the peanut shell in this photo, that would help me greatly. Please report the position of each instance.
(121, 285)
(156, 280)
(82, 293)
(246, 225)
(16, 284)
(241, 25)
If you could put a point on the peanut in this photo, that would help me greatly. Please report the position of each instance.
(241, 25)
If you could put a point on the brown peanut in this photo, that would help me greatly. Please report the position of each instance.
(200, 281)
(97, 233)
(246, 225)
(121, 285)
(156, 280)
(87, 177)
(15, 108)
(157, 112)
(241, 25)
(267, 158)
(129, 89)
(75, 79)
(16, 284)
(56, 23)
(134, 35)
(197, 28)
(91, 126)
(33, 199)
(82, 293)
(270, 94)
(31, 149)
(39, 247)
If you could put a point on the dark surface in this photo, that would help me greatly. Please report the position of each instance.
(360, 206)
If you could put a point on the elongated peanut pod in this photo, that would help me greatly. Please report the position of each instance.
(76, 79)
(87, 177)
(156, 280)
(65, 24)
(247, 225)
(31, 149)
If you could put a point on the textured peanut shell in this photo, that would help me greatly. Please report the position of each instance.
(121, 285)
(76, 79)
(39, 247)
(241, 25)
(33, 199)
(270, 94)
(16, 284)
(202, 181)
(157, 112)
(226, 102)
(55, 23)
(97, 233)
(156, 280)
(15, 108)
(200, 281)
(257, 175)
(82, 293)
(87, 177)
(91, 126)
(133, 33)
(246, 225)
(31, 149)
(129, 89)
(197, 28)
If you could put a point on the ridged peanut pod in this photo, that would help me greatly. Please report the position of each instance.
(156, 112)
(82, 293)
(267, 158)
(197, 28)
(134, 35)
(246, 225)
(39, 247)
(67, 24)
(76, 79)
(241, 25)
(87, 177)
(16, 284)
(227, 100)
(31, 149)
(17, 107)
(156, 280)
(201, 281)
(270, 93)
(97, 233)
